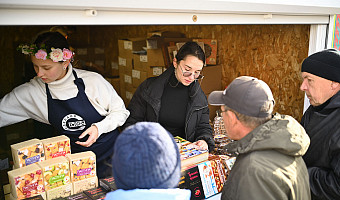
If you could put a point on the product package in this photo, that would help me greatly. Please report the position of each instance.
(27, 152)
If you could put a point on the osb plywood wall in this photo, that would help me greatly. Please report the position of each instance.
(272, 53)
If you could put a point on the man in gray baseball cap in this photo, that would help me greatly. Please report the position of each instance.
(269, 148)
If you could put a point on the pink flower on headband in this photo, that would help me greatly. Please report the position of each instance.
(67, 54)
(41, 54)
(56, 55)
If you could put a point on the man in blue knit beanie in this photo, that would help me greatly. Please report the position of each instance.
(146, 164)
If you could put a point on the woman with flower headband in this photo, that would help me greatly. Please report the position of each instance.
(175, 99)
(77, 103)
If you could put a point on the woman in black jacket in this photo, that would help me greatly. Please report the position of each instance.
(175, 99)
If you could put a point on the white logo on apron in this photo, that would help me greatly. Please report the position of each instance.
(73, 122)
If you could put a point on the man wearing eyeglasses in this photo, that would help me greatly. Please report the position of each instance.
(269, 148)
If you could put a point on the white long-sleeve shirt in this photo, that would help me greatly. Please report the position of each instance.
(29, 100)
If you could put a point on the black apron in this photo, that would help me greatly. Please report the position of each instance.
(73, 116)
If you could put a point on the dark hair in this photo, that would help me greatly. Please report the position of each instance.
(51, 39)
(192, 49)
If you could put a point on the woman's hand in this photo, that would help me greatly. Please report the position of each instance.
(92, 131)
(202, 144)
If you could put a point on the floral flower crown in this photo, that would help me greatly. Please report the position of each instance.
(55, 55)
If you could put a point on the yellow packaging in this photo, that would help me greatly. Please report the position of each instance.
(56, 172)
(56, 146)
(82, 165)
(26, 181)
(27, 152)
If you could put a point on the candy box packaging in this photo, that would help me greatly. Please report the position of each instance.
(82, 165)
(60, 192)
(78, 196)
(27, 152)
(56, 172)
(26, 181)
(96, 193)
(85, 184)
(56, 146)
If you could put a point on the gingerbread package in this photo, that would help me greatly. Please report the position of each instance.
(26, 182)
(27, 152)
(56, 146)
(56, 172)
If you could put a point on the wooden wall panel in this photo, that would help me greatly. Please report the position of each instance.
(273, 53)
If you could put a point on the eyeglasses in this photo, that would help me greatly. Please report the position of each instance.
(188, 74)
(222, 111)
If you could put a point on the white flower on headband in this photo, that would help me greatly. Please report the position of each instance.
(24, 49)
(55, 55)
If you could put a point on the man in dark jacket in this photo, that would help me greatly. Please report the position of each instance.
(268, 147)
(321, 83)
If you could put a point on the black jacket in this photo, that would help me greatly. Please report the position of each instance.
(146, 102)
(323, 156)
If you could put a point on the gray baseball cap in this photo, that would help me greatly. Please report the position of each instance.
(246, 95)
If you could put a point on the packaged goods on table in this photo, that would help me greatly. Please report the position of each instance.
(57, 181)
(83, 171)
(26, 182)
(56, 146)
(27, 152)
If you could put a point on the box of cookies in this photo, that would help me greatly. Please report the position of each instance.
(85, 184)
(26, 181)
(82, 165)
(56, 146)
(56, 172)
(27, 152)
(60, 192)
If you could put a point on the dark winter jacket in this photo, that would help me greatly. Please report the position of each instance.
(269, 164)
(146, 102)
(323, 156)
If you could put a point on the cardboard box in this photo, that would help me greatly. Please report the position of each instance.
(113, 70)
(127, 46)
(155, 71)
(126, 64)
(210, 49)
(167, 34)
(155, 57)
(140, 62)
(157, 48)
(138, 77)
(212, 79)
(115, 82)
